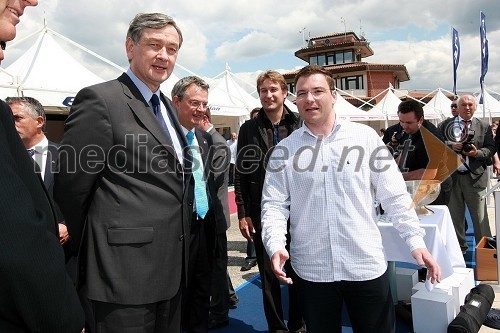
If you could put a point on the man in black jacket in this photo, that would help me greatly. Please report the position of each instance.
(36, 293)
(256, 141)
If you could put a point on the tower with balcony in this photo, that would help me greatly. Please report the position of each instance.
(343, 54)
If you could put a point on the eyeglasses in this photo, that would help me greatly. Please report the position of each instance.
(453, 106)
(197, 104)
(316, 94)
(3, 45)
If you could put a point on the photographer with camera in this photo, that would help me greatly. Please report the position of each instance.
(472, 139)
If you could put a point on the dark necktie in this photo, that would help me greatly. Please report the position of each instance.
(200, 186)
(465, 130)
(31, 152)
(155, 103)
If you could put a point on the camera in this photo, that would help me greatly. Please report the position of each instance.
(467, 144)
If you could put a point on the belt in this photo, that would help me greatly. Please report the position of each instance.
(466, 172)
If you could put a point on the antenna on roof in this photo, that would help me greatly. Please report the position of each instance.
(342, 20)
(303, 31)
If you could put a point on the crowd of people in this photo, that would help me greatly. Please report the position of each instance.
(123, 224)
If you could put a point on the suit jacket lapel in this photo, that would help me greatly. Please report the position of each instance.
(50, 165)
(144, 113)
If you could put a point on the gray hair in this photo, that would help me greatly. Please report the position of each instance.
(32, 107)
(150, 21)
(183, 84)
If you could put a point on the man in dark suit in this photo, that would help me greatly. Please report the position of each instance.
(123, 188)
(36, 293)
(30, 121)
(472, 139)
(221, 282)
(190, 96)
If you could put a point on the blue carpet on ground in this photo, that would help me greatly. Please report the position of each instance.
(249, 317)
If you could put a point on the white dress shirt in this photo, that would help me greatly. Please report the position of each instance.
(147, 94)
(40, 156)
(329, 189)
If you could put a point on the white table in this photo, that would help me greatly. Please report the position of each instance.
(440, 239)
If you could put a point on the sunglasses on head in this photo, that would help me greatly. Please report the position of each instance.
(3, 45)
(453, 106)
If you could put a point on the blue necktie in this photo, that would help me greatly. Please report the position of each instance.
(200, 186)
(31, 152)
(155, 102)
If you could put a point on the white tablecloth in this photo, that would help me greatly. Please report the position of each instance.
(440, 239)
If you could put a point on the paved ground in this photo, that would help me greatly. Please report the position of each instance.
(237, 254)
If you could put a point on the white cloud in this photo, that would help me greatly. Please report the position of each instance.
(414, 33)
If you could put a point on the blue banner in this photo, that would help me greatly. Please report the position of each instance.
(484, 53)
(456, 57)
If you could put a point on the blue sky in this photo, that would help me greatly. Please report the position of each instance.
(260, 35)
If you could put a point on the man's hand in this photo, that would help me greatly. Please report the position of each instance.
(277, 262)
(472, 152)
(246, 228)
(425, 259)
(496, 164)
(63, 234)
(456, 146)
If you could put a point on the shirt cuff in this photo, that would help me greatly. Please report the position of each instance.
(416, 242)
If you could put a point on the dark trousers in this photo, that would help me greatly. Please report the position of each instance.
(219, 302)
(271, 291)
(231, 174)
(233, 298)
(369, 304)
(196, 303)
(251, 256)
(157, 317)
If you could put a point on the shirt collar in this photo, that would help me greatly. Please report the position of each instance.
(41, 146)
(143, 88)
(338, 125)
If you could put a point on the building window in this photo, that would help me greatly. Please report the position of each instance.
(321, 60)
(330, 58)
(348, 56)
(352, 82)
(313, 60)
(291, 88)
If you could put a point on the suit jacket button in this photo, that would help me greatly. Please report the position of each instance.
(181, 237)
(190, 203)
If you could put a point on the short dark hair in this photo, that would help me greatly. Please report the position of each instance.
(183, 84)
(411, 106)
(254, 111)
(315, 69)
(33, 107)
(273, 76)
(150, 21)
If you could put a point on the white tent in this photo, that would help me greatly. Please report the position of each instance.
(230, 103)
(47, 72)
(346, 111)
(491, 106)
(438, 107)
(387, 107)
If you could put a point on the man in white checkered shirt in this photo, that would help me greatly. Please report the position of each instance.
(326, 177)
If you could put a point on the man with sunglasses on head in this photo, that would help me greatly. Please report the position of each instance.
(36, 293)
